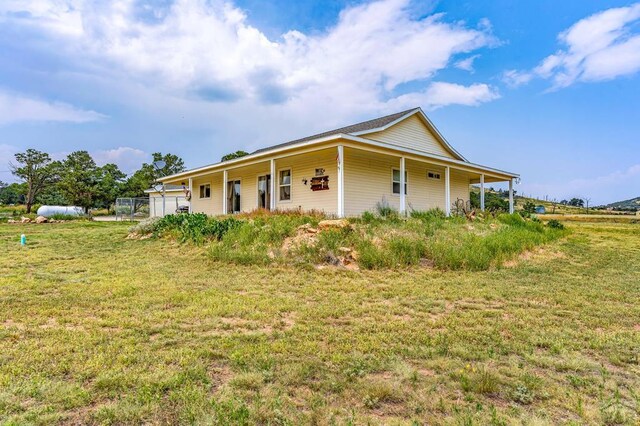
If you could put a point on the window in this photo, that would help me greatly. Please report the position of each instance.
(205, 191)
(433, 175)
(396, 181)
(285, 185)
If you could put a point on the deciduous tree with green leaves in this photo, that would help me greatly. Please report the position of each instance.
(37, 170)
(79, 179)
(144, 177)
(234, 155)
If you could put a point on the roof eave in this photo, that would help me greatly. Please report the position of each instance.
(354, 138)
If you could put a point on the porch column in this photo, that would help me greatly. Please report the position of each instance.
(272, 189)
(447, 191)
(403, 197)
(225, 177)
(340, 181)
(511, 195)
(190, 194)
(482, 192)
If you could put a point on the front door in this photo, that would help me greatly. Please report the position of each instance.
(233, 196)
(264, 192)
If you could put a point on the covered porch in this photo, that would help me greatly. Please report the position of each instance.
(342, 178)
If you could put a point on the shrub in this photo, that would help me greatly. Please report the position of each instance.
(529, 207)
(555, 224)
(195, 227)
(386, 211)
(368, 217)
(146, 226)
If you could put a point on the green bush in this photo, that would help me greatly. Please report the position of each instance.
(555, 224)
(194, 227)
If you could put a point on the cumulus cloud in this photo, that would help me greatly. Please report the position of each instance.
(600, 47)
(15, 108)
(126, 158)
(439, 94)
(208, 50)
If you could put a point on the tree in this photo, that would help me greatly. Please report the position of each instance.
(11, 193)
(145, 177)
(529, 207)
(576, 202)
(37, 171)
(79, 181)
(234, 155)
(110, 185)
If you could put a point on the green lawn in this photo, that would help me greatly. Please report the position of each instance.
(95, 328)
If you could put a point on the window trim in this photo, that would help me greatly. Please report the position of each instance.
(435, 173)
(200, 191)
(290, 185)
(406, 181)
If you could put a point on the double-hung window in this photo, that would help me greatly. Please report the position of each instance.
(396, 181)
(284, 183)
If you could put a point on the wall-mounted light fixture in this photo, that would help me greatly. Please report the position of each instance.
(304, 181)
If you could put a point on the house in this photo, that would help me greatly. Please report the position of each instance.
(400, 158)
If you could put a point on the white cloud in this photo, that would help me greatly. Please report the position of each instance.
(467, 63)
(600, 47)
(615, 186)
(126, 158)
(15, 108)
(208, 50)
(440, 94)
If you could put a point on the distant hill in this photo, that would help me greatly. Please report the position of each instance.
(632, 204)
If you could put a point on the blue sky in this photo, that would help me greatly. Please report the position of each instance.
(547, 89)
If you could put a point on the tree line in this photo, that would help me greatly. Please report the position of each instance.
(78, 180)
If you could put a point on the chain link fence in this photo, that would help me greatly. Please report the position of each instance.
(132, 208)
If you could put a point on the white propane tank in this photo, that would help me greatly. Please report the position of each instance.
(48, 211)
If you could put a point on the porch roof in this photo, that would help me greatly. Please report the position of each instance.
(334, 140)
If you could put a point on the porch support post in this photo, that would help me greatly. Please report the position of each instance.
(511, 195)
(225, 177)
(403, 196)
(164, 199)
(190, 194)
(482, 192)
(340, 181)
(272, 189)
(447, 191)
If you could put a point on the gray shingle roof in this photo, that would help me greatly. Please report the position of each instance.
(353, 128)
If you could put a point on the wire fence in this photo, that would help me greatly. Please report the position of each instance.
(132, 208)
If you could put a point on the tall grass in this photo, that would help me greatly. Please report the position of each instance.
(373, 241)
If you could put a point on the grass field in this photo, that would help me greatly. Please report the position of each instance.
(95, 328)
